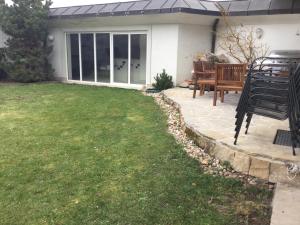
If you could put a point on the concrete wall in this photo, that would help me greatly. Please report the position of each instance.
(192, 40)
(280, 31)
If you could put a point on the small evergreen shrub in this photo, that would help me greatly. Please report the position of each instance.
(163, 81)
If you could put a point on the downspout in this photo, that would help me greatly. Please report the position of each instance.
(214, 35)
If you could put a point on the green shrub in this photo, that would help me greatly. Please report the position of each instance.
(163, 81)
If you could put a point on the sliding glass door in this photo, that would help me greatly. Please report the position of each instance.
(121, 59)
(73, 56)
(130, 54)
(138, 58)
(87, 57)
(103, 57)
(107, 57)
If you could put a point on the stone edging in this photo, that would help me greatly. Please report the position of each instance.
(254, 165)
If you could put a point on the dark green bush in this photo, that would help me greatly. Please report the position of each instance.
(163, 81)
(27, 49)
(3, 74)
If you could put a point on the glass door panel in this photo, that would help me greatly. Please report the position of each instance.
(120, 42)
(87, 57)
(73, 57)
(103, 57)
(138, 58)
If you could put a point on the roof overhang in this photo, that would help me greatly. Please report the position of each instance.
(200, 7)
(144, 20)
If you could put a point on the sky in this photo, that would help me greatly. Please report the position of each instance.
(59, 3)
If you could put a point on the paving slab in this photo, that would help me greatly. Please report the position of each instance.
(286, 205)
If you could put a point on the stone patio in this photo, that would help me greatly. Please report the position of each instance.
(212, 128)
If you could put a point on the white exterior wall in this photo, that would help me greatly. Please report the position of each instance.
(281, 36)
(173, 40)
(58, 55)
(193, 39)
(162, 47)
(164, 50)
(280, 31)
(170, 46)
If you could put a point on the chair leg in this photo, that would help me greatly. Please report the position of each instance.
(294, 151)
(202, 89)
(294, 143)
(195, 88)
(249, 118)
(222, 96)
(239, 123)
(215, 97)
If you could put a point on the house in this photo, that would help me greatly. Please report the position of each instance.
(127, 44)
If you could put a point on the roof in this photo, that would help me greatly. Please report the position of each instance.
(202, 7)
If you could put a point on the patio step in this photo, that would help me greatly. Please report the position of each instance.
(272, 170)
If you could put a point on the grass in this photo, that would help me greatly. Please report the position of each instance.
(88, 155)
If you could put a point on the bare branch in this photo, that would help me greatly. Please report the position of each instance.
(240, 42)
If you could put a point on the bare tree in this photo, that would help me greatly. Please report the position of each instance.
(240, 42)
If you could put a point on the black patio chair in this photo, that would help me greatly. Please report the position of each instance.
(268, 92)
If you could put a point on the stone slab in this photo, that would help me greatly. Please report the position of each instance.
(241, 162)
(286, 205)
(259, 168)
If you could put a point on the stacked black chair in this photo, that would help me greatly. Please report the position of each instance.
(294, 109)
(268, 93)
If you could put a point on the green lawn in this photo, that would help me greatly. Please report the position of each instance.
(83, 155)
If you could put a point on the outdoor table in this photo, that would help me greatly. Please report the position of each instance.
(208, 77)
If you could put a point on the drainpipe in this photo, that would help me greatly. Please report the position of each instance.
(214, 35)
